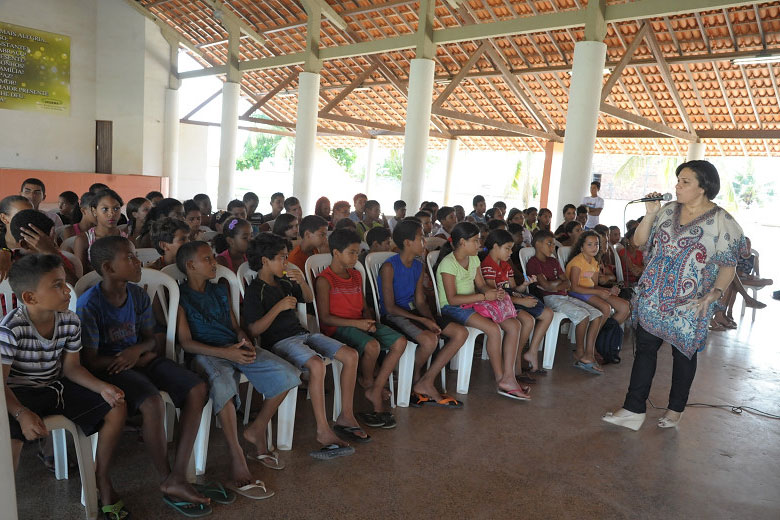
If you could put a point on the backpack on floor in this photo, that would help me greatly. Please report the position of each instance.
(609, 341)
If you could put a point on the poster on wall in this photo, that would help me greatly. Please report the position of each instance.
(34, 70)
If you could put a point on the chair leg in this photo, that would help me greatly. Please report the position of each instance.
(286, 420)
(405, 374)
(248, 402)
(170, 416)
(337, 366)
(201, 447)
(60, 454)
(87, 472)
(551, 341)
(755, 295)
(465, 357)
(391, 384)
(94, 440)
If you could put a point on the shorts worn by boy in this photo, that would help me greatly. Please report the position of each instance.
(559, 301)
(36, 367)
(208, 316)
(346, 301)
(287, 337)
(110, 330)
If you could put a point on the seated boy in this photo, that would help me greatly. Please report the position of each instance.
(117, 329)
(269, 312)
(399, 207)
(378, 240)
(344, 316)
(40, 343)
(207, 329)
(403, 306)
(553, 284)
(168, 235)
(314, 235)
(371, 218)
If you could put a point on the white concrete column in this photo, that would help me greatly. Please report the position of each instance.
(227, 144)
(370, 171)
(306, 138)
(571, 183)
(418, 122)
(171, 141)
(8, 487)
(452, 151)
(696, 151)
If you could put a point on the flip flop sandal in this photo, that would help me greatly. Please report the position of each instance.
(216, 492)
(515, 394)
(371, 419)
(588, 367)
(115, 511)
(332, 451)
(350, 433)
(269, 460)
(447, 401)
(389, 420)
(188, 509)
(418, 400)
(255, 490)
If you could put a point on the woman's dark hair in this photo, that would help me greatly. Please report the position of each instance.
(28, 217)
(498, 237)
(186, 252)
(86, 199)
(264, 245)
(706, 174)
(97, 186)
(544, 211)
(230, 229)
(190, 205)
(72, 199)
(105, 250)
(405, 230)
(567, 207)
(283, 222)
(133, 205)
(512, 213)
(570, 225)
(161, 210)
(577, 249)
(26, 272)
(461, 231)
(496, 223)
(97, 197)
(154, 194)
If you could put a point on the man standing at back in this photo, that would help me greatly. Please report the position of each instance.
(595, 204)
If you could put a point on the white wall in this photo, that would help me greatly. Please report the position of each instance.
(193, 161)
(119, 66)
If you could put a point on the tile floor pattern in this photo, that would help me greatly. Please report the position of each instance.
(548, 458)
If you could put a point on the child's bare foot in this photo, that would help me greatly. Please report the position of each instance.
(257, 438)
(754, 304)
(327, 437)
(239, 472)
(376, 396)
(182, 490)
(427, 389)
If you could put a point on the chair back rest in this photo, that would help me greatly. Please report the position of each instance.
(147, 255)
(524, 255)
(8, 300)
(755, 263)
(563, 255)
(374, 262)
(209, 235)
(77, 265)
(67, 244)
(618, 265)
(87, 281)
(315, 264)
(223, 273)
(431, 261)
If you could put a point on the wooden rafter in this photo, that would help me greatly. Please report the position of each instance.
(624, 60)
(265, 99)
(202, 104)
(502, 125)
(349, 88)
(461, 74)
(644, 122)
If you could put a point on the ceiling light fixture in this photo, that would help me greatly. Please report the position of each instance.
(758, 59)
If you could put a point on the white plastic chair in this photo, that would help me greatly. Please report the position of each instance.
(147, 255)
(67, 244)
(563, 255)
(77, 265)
(752, 288)
(618, 265)
(462, 360)
(155, 284)
(406, 364)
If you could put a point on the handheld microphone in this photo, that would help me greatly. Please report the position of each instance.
(664, 197)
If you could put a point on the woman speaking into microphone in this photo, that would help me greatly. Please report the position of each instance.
(692, 249)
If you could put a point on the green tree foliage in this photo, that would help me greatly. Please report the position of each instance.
(345, 157)
(393, 165)
(256, 151)
(522, 184)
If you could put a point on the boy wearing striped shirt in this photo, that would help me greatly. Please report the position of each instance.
(40, 343)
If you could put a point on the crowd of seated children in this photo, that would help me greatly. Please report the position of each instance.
(33, 232)
(571, 233)
(462, 291)
(340, 212)
(286, 225)
(631, 260)
(322, 208)
(344, 316)
(530, 219)
(192, 216)
(106, 206)
(233, 243)
(569, 214)
(399, 213)
(170, 208)
(269, 313)
(277, 205)
(371, 218)
(313, 230)
(544, 219)
(378, 240)
(35, 191)
(237, 208)
(137, 210)
(168, 235)
(359, 201)
(68, 206)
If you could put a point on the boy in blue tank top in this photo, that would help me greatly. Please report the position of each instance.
(403, 306)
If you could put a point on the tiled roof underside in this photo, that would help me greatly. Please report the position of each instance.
(716, 95)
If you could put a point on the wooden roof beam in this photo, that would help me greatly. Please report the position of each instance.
(202, 104)
(644, 122)
(227, 15)
(501, 125)
(624, 60)
(348, 89)
(464, 70)
(271, 93)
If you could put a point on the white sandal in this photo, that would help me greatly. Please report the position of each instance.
(269, 460)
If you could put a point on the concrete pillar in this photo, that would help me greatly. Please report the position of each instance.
(370, 171)
(418, 122)
(8, 487)
(571, 183)
(452, 151)
(227, 144)
(553, 153)
(696, 151)
(306, 138)
(171, 141)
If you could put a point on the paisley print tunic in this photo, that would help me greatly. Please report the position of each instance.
(683, 263)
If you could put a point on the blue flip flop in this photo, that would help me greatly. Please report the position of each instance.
(216, 492)
(332, 451)
(188, 509)
(588, 367)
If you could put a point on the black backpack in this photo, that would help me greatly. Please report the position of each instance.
(609, 341)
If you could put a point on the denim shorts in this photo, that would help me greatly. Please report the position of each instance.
(457, 313)
(534, 311)
(268, 373)
(301, 348)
